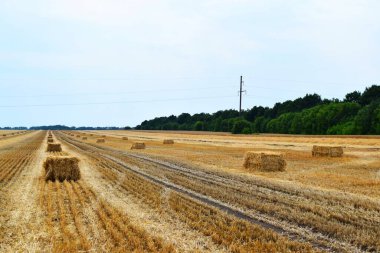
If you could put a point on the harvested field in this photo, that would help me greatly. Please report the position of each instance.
(194, 196)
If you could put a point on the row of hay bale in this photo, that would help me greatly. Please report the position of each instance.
(51, 145)
(60, 168)
(272, 161)
(14, 133)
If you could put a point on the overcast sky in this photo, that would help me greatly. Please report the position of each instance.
(119, 62)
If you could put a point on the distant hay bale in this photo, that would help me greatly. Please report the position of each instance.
(168, 141)
(125, 138)
(260, 161)
(54, 147)
(138, 145)
(4, 135)
(100, 140)
(61, 168)
(91, 134)
(50, 140)
(78, 136)
(104, 136)
(323, 151)
(84, 138)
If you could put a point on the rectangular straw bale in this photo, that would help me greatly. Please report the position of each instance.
(168, 141)
(61, 168)
(101, 140)
(125, 138)
(260, 161)
(138, 145)
(54, 147)
(84, 138)
(327, 151)
(336, 152)
(50, 140)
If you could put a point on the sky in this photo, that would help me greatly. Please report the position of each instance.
(119, 62)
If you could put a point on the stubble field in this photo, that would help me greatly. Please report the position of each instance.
(190, 196)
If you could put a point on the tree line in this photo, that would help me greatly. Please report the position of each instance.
(357, 113)
(60, 127)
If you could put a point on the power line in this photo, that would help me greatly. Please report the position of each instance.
(117, 93)
(115, 102)
(118, 79)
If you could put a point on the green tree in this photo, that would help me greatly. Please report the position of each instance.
(353, 97)
(371, 94)
(241, 125)
(199, 126)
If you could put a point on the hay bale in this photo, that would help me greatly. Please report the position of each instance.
(104, 136)
(50, 140)
(168, 142)
(336, 151)
(84, 138)
(91, 134)
(101, 140)
(260, 161)
(138, 145)
(4, 135)
(54, 147)
(327, 151)
(78, 136)
(125, 138)
(61, 168)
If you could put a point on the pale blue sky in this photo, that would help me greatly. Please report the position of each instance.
(118, 62)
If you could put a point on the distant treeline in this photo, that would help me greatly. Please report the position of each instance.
(13, 128)
(357, 113)
(60, 127)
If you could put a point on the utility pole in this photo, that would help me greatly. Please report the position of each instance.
(241, 92)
